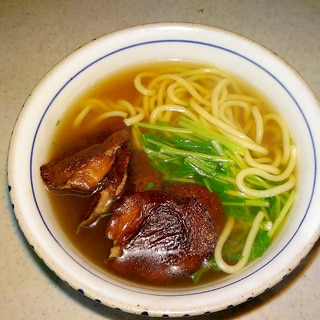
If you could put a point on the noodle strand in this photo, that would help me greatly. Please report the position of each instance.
(247, 247)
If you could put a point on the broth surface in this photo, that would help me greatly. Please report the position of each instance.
(69, 209)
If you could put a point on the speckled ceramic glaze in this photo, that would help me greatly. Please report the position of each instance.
(47, 104)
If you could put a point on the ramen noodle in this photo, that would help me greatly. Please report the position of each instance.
(200, 125)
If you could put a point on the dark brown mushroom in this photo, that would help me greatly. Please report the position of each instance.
(113, 186)
(209, 199)
(159, 238)
(142, 175)
(83, 171)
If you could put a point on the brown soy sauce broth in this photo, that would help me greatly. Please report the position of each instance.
(69, 209)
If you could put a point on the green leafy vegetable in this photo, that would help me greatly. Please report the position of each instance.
(208, 265)
(149, 186)
(192, 153)
(261, 244)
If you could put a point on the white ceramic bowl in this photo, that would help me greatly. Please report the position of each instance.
(48, 102)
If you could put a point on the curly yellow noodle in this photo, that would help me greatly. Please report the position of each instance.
(228, 106)
(140, 87)
(91, 104)
(188, 87)
(199, 72)
(286, 176)
(136, 118)
(205, 122)
(175, 108)
(277, 157)
(162, 92)
(219, 94)
(148, 104)
(216, 74)
(174, 91)
(202, 87)
(109, 114)
(265, 160)
(155, 82)
(78, 120)
(247, 247)
(262, 166)
(128, 106)
(259, 124)
(285, 134)
(227, 130)
(242, 97)
(97, 103)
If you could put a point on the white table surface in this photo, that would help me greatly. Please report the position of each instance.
(35, 35)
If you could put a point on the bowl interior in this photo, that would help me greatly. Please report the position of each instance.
(77, 73)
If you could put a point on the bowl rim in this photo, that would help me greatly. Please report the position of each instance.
(41, 250)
